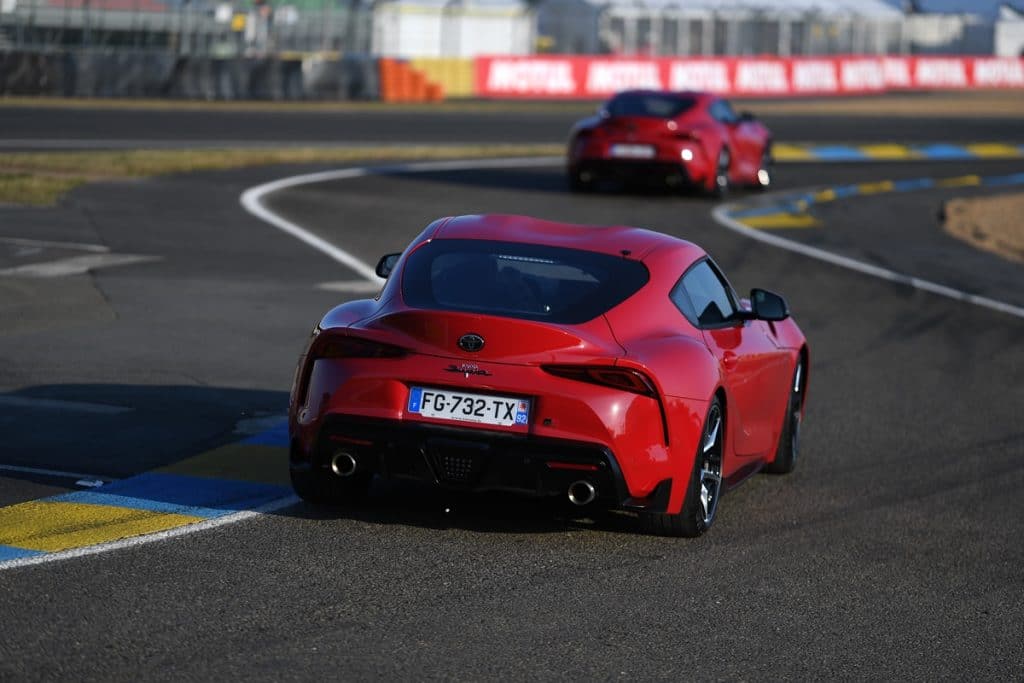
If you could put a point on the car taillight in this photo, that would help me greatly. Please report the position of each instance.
(619, 378)
(337, 346)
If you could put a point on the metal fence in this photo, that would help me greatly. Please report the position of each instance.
(186, 28)
(570, 27)
(208, 28)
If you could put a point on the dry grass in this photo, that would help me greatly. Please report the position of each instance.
(989, 223)
(967, 104)
(41, 178)
(35, 190)
(455, 105)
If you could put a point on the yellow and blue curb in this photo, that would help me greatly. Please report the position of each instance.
(794, 211)
(790, 153)
(246, 476)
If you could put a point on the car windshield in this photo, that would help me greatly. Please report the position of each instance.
(529, 281)
(663, 106)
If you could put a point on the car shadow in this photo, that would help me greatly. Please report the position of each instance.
(56, 436)
(400, 503)
(116, 430)
(544, 179)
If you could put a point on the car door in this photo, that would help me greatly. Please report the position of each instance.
(748, 359)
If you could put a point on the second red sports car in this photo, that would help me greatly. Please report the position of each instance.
(614, 367)
(673, 138)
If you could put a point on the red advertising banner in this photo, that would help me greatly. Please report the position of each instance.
(597, 77)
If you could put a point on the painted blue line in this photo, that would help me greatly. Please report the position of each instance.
(999, 181)
(845, 191)
(179, 494)
(791, 203)
(945, 152)
(912, 184)
(760, 211)
(275, 436)
(837, 153)
(9, 552)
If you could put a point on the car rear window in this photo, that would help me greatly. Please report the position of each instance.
(662, 106)
(529, 281)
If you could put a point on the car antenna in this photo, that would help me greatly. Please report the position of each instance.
(625, 253)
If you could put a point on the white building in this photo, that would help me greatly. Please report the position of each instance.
(452, 28)
(1009, 38)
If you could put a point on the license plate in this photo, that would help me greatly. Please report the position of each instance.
(503, 411)
(632, 151)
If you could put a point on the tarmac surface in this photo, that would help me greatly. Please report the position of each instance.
(46, 127)
(892, 552)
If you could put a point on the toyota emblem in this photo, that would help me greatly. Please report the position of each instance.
(471, 342)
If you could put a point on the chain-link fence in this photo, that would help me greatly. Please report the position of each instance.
(575, 27)
(401, 28)
(184, 27)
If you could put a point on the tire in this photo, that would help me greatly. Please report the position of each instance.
(764, 171)
(704, 488)
(788, 450)
(320, 486)
(577, 185)
(720, 184)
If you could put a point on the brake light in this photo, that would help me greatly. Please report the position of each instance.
(618, 378)
(339, 346)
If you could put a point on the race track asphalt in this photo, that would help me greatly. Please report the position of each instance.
(28, 127)
(892, 552)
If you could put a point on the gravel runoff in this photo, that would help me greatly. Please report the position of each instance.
(989, 223)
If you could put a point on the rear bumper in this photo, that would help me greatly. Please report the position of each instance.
(474, 460)
(661, 173)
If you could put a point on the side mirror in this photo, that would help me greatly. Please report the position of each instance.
(387, 264)
(765, 305)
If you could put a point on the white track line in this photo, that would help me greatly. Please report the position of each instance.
(78, 246)
(721, 214)
(60, 474)
(151, 538)
(252, 199)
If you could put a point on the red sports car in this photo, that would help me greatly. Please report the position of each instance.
(613, 366)
(674, 138)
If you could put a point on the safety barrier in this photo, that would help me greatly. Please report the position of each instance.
(330, 76)
(570, 77)
(454, 74)
(400, 82)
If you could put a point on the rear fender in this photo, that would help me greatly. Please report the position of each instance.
(686, 376)
(680, 366)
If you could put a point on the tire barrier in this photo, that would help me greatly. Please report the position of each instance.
(138, 73)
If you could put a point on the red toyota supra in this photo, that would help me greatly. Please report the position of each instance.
(611, 366)
(675, 139)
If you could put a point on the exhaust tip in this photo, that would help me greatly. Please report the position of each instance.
(582, 492)
(343, 464)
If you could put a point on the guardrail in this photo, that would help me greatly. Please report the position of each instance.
(568, 77)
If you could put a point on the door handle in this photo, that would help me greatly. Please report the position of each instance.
(729, 360)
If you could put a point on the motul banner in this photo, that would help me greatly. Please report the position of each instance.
(597, 77)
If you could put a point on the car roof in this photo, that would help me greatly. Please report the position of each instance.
(603, 239)
(702, 96)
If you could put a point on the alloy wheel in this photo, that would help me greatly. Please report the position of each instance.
(711, 465)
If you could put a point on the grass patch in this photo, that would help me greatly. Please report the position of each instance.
(41, 178)
(35, 190)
